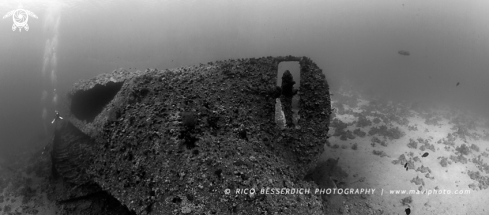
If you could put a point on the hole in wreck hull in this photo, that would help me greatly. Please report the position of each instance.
(294, 68)
(86, 105)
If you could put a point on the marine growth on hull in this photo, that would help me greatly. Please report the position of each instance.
(174, 139)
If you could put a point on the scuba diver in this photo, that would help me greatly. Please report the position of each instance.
(56, 117)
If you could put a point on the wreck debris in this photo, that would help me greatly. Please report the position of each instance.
(139, 128)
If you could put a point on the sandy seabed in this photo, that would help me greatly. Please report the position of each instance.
(379, 145)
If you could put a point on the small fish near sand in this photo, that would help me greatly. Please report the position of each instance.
(405, 166)
(458, 83)
(425, 154)
(408, 211)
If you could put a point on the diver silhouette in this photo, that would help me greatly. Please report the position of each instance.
(56, 117)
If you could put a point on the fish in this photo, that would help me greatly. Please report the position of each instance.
(407, 168)
(458, 83)
(405, 165)
(425, 154)
(408, 211)
(402, 52)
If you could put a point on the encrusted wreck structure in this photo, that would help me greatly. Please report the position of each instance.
(173, 141)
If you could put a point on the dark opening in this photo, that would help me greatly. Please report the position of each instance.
(218, 173)
(176, 200)
(294, 68)
(86, 105)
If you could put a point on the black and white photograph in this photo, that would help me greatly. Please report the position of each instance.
(237, 107)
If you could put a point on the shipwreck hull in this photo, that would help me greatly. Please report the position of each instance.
(172, 141)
